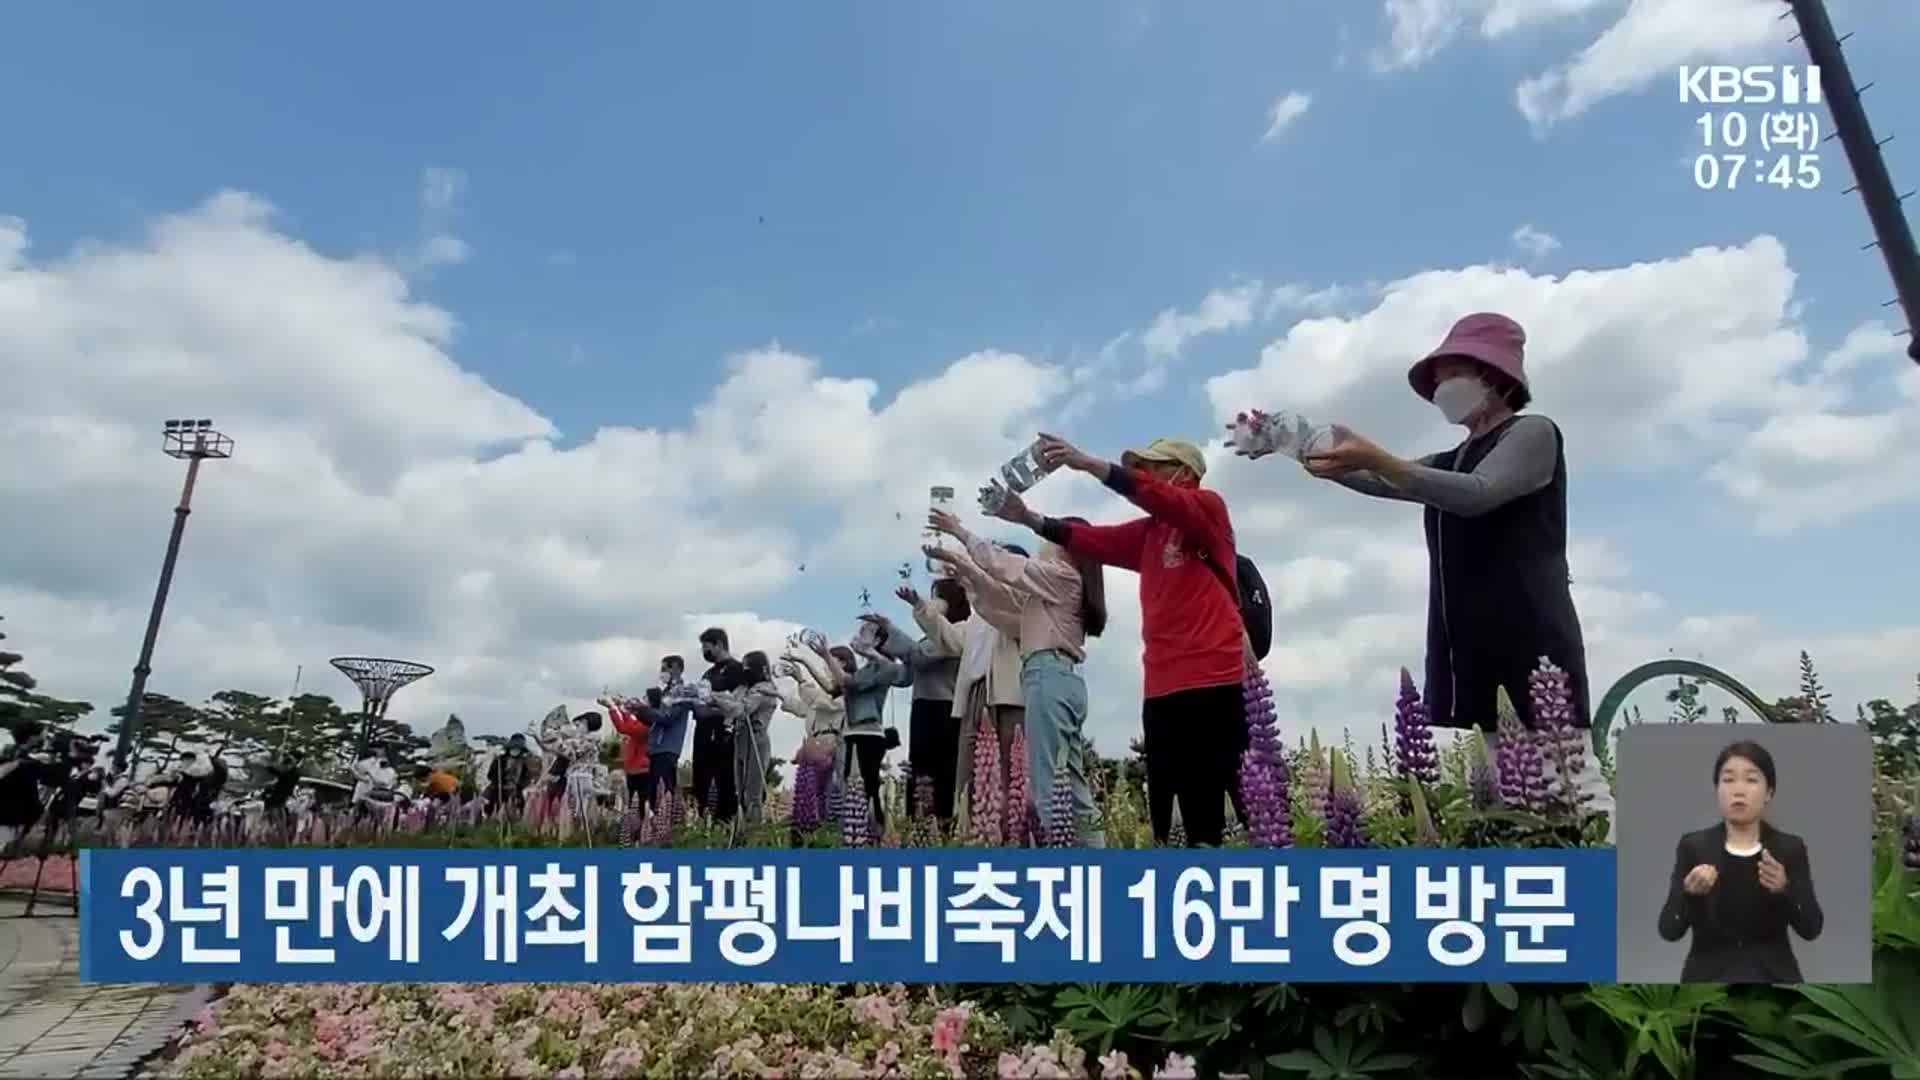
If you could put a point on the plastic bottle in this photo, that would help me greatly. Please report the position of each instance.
(1257, 434)
(938, 498)
(1020, 473)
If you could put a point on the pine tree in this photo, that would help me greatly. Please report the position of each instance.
(20, 705)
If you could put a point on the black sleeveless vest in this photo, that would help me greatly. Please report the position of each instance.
(1499, 597)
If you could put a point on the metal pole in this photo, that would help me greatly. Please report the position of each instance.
(1869, 167)
(130, 726)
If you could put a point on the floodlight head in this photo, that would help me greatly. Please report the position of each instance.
(378, 678)
(194, 439)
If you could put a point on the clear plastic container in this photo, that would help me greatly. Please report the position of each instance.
(1019, 474)
(1257, 434)
(938, 498)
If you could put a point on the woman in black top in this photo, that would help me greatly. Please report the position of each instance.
(1499, 594)
(1737, 886)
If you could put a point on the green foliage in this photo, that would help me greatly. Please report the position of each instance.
(1340, 1054)
(20, 704)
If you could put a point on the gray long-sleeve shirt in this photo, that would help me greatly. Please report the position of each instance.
(1520, 464)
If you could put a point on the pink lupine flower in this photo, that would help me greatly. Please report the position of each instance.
(1177, 1067)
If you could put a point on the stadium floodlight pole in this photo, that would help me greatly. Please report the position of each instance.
(1870, 174)
(195, 441)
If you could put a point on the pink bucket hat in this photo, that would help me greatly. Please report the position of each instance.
(1494, 340)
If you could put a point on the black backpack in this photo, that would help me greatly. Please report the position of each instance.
(1256, 606)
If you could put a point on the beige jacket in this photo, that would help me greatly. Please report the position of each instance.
(1002, 684)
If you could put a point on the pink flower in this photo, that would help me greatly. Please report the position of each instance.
(877, 1010)
(1178, 1067)
(1113, 1066)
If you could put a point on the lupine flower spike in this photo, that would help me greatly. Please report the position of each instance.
(1413, 751)
(988, 798)
(1345, 827)
(1063, 820)
(1523, 782)
(856, 813)
(1021, 812)
(1563, 744)
(1263, 769)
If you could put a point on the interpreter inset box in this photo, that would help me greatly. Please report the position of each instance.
(1745, 853)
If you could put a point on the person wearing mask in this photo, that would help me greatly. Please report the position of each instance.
(1499, 591)
(1740, 885)
(933, 728)
(1060, 600)
(633, 728)
(669, 708)
(508, 775)
(867, 686)
(713, 753)
(1197, 651)
(752, 708)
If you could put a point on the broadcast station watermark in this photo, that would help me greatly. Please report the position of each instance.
(1761, 128)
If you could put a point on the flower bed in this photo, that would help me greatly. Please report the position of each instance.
(614, 1030)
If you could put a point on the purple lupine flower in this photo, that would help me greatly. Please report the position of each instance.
(1263, 769)
(988, 798)
(921, 823)
(1344, 826)
(856, 813)
(1386, 749)
(1910, 842)
(1523, 782)
(1063, 817)
(1563, 744)
(1413, 735)
(1315, 778)
(1021, 811)
(806, 812)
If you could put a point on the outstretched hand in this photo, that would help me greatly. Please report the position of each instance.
(908, 595)
(1350, 452)
(944, 522)
(941, 554)
(1012, 508)
(1056, 452)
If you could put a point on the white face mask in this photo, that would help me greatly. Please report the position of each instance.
(1458, 397)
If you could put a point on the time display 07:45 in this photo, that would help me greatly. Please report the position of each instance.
(1783, 171)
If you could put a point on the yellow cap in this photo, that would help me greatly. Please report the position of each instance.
(1173, 451)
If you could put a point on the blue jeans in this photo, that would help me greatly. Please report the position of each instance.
(1056, 698)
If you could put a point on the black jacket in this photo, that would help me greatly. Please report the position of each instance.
(1749, 945)
(1500, 597)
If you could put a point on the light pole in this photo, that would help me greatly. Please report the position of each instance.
(1871, 179)
(196, 441)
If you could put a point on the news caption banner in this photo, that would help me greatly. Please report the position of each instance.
(933, 915)
(1761, 128)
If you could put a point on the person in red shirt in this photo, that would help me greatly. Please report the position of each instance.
(1197, 649)
(633, 728)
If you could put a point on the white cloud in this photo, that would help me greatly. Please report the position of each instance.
(1534, 242)
(1283, 112)
(1647, 45)
(1220, 311)
(1420, 29)
(384, 499)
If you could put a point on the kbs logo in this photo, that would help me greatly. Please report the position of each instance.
(1722, 84)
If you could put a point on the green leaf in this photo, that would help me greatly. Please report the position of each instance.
(1473, 1010)
(1505, 994)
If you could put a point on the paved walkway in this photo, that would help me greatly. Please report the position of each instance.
(52, 1024)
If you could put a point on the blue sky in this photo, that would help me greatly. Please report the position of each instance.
(646, 190)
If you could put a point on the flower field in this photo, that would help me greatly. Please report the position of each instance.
(1408, 792)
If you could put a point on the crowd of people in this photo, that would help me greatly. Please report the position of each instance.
(1000, 639)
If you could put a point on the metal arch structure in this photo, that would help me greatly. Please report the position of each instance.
(377, 678)
(1618, 693)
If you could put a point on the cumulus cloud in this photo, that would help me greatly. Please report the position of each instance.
(385, 499)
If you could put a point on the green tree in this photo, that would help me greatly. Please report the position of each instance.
(241, 724)
(20, 704)
(1896, 735)
(320, 732)
(167, 726)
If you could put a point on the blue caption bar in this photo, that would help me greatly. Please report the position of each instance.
(920, 916)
